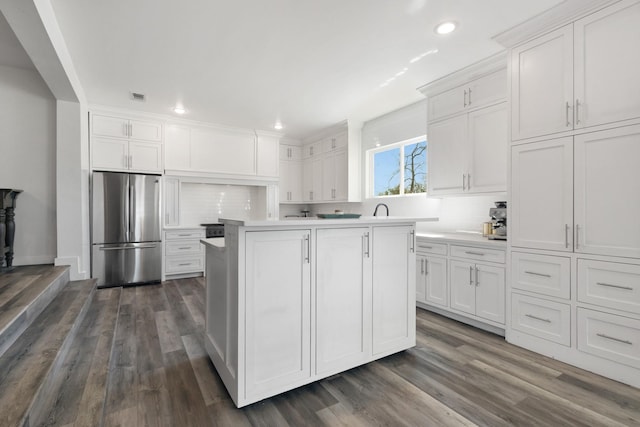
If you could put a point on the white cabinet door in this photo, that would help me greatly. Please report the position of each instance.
(606, 71)
(542, 85)
(447, 103)
(268, 156)
(343, 298)
(607, 189)
(463, 289)
(394, 304)
(110, 154)
(145, 130)
(177, 148)
(341, 184)
(542, 195)
(447, 156)
(486, 90)
(488, 142)
(436, 286)
(145, 156)
(328, 177)
(110, 126)
(222, 152)
(490, 292)
(290, 181)
(171, 201)
(312, 180)
(278, 304)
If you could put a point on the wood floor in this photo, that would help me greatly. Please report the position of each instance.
(139, 361)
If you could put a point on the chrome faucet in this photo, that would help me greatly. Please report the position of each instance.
(375, 212)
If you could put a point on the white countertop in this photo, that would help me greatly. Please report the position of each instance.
(463, 237)
(215, 242)
(314, 221)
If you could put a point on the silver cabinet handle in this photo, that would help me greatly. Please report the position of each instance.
(184, 263)
(130, 161)
(615, 339)
(184, 235)
(365, 244)
(333, 143)
(469, 96)
(477, 282)
(626, 288)
(412, 241)
(185, 247)
(577, 235)
(123, 248)
(464, 182)
(567, 114)
(465, 99)
(474, 253)
(538, 274)
(422, 266)
(469, 177)
(130, 129)
(566, 235)
(306, 249)
(470, 275)
(311, 151)
(577, 111)
(425, 247)
(538, 318)
(426, 267)
(125, 128)
(310, 195)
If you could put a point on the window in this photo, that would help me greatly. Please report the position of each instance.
(399, 168)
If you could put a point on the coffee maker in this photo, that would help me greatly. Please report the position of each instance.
(498, 221)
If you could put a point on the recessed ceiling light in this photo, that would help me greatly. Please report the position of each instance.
(445, 27)
(179, 110)
(277, 126)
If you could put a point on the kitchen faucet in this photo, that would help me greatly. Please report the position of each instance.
(375, 212)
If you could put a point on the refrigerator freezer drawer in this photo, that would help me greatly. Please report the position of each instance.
(127, 264)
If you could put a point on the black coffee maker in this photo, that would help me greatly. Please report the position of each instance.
(499, 221)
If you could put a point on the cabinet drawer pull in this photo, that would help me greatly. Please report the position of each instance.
(474, 253)
(185, 248)
(615, 339)
(626, 288)
(538, 274)
(425, 247)
(538, 318)
(184, 263)
(184, 235)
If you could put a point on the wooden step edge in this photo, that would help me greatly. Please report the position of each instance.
(12, 331)
(47, 385)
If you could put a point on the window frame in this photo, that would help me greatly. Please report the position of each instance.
(371, 169)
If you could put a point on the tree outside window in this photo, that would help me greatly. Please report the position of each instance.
(399, 168)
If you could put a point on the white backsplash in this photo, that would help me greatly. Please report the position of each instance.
(205, 203)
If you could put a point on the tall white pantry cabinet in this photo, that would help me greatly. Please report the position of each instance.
(574, 220)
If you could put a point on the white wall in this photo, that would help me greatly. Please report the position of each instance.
(28, 161)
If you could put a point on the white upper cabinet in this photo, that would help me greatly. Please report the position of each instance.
(542, 195)
(487, 149)
(581, 75)
(604, 46)
(474, 94)
(123, 144)
(542, 85)
(334, 176)
(267, 151)
(607, 192)
(177, 148)
(447, 141)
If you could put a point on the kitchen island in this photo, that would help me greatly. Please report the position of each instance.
(291, 302)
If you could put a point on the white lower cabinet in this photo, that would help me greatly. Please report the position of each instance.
(478, 289)
(609, 284)
(183, 252)
(278, 306)
(343, 298)
(542, 318)
(431, 280)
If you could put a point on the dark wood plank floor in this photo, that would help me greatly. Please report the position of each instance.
(157, 374)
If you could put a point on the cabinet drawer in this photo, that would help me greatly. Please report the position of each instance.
(609, 284)
(606, 335)
(184, 234)
(426, 246)
(543, 274)
(183, 247)
(184, 264)
(545, 319)
(478, 254)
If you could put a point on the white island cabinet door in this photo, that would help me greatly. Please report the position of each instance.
(278, 306)
(542, 195)
(394, 293)
(463, 289)
(343, 298)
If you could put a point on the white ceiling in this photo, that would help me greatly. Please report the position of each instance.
(310, 64)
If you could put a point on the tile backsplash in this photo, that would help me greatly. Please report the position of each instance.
(205, 203)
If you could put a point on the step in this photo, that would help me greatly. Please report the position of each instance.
(76, 394)
(24, 292)
(26, 367)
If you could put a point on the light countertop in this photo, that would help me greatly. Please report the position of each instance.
(314, 221)
(462, 237)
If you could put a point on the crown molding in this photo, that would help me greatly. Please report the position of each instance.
(558, 16)
(464, 75)
(326, 132)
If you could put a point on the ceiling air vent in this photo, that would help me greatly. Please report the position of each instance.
(137, 96)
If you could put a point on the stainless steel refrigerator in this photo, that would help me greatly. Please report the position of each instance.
(126, 246)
